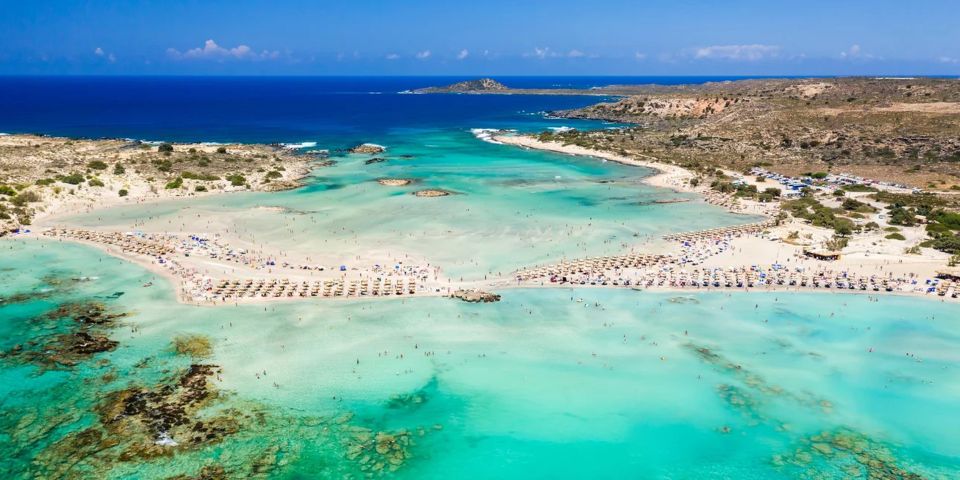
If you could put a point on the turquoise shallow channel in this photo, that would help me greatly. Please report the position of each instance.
(510, 208)
(548, 383)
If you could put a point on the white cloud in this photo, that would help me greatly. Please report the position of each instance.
(463, 54)
(853, 51)
(212, 51)
(109, 56)
(737, 52)
(575, 53)
(856, 52)
(423, 55)
(949, 60)
(640, 55)
(541, 53)
(392, 56)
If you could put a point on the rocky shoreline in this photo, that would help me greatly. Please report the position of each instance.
(43, 176)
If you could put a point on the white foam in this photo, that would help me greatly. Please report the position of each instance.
(562, 129)
(298, 146)
(486, 134)
(165, 441)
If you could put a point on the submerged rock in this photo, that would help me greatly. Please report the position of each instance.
(67, 344)
(196, 346)
(82, 345)
(381, 451)
(375, 160)
(414, 399)
(86, 313)
(209, 472)
(844, 453)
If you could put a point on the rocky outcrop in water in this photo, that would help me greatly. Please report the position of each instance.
(432, 192)
(475, 296)
(77, 332)
(395, 182)
(368, 148)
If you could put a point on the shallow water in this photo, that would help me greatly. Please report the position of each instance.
(538, 385)
(548, 383)
(511, 208)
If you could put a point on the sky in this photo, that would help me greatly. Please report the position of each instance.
(486, 37)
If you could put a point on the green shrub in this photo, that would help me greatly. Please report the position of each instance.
(176, 183)
(24, 198)
(7, 190)
(118, 169)
(165, 148)
(200, 188)
(947, 243)
(937, 229)
(199, 176)
(854, 205)
(236, 179)
(895, 236)
(45, 181)
(97, 165)
(95, 182)
(859, 188)
(950, 220)
(221, 149)
(163, 165)
(902, 216)
(274, 174)
(72, 179)
(123, 192)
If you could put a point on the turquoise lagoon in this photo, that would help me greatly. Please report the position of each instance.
(512, 208)
(548, 383)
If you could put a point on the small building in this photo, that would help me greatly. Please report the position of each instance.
(825, 255)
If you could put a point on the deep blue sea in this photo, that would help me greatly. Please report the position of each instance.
(339, 110)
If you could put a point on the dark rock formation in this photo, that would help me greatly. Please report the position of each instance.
(368, 148)
(475, 296)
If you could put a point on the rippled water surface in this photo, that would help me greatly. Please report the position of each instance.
(549, 382)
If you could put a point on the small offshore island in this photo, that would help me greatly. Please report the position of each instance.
(710, 280)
